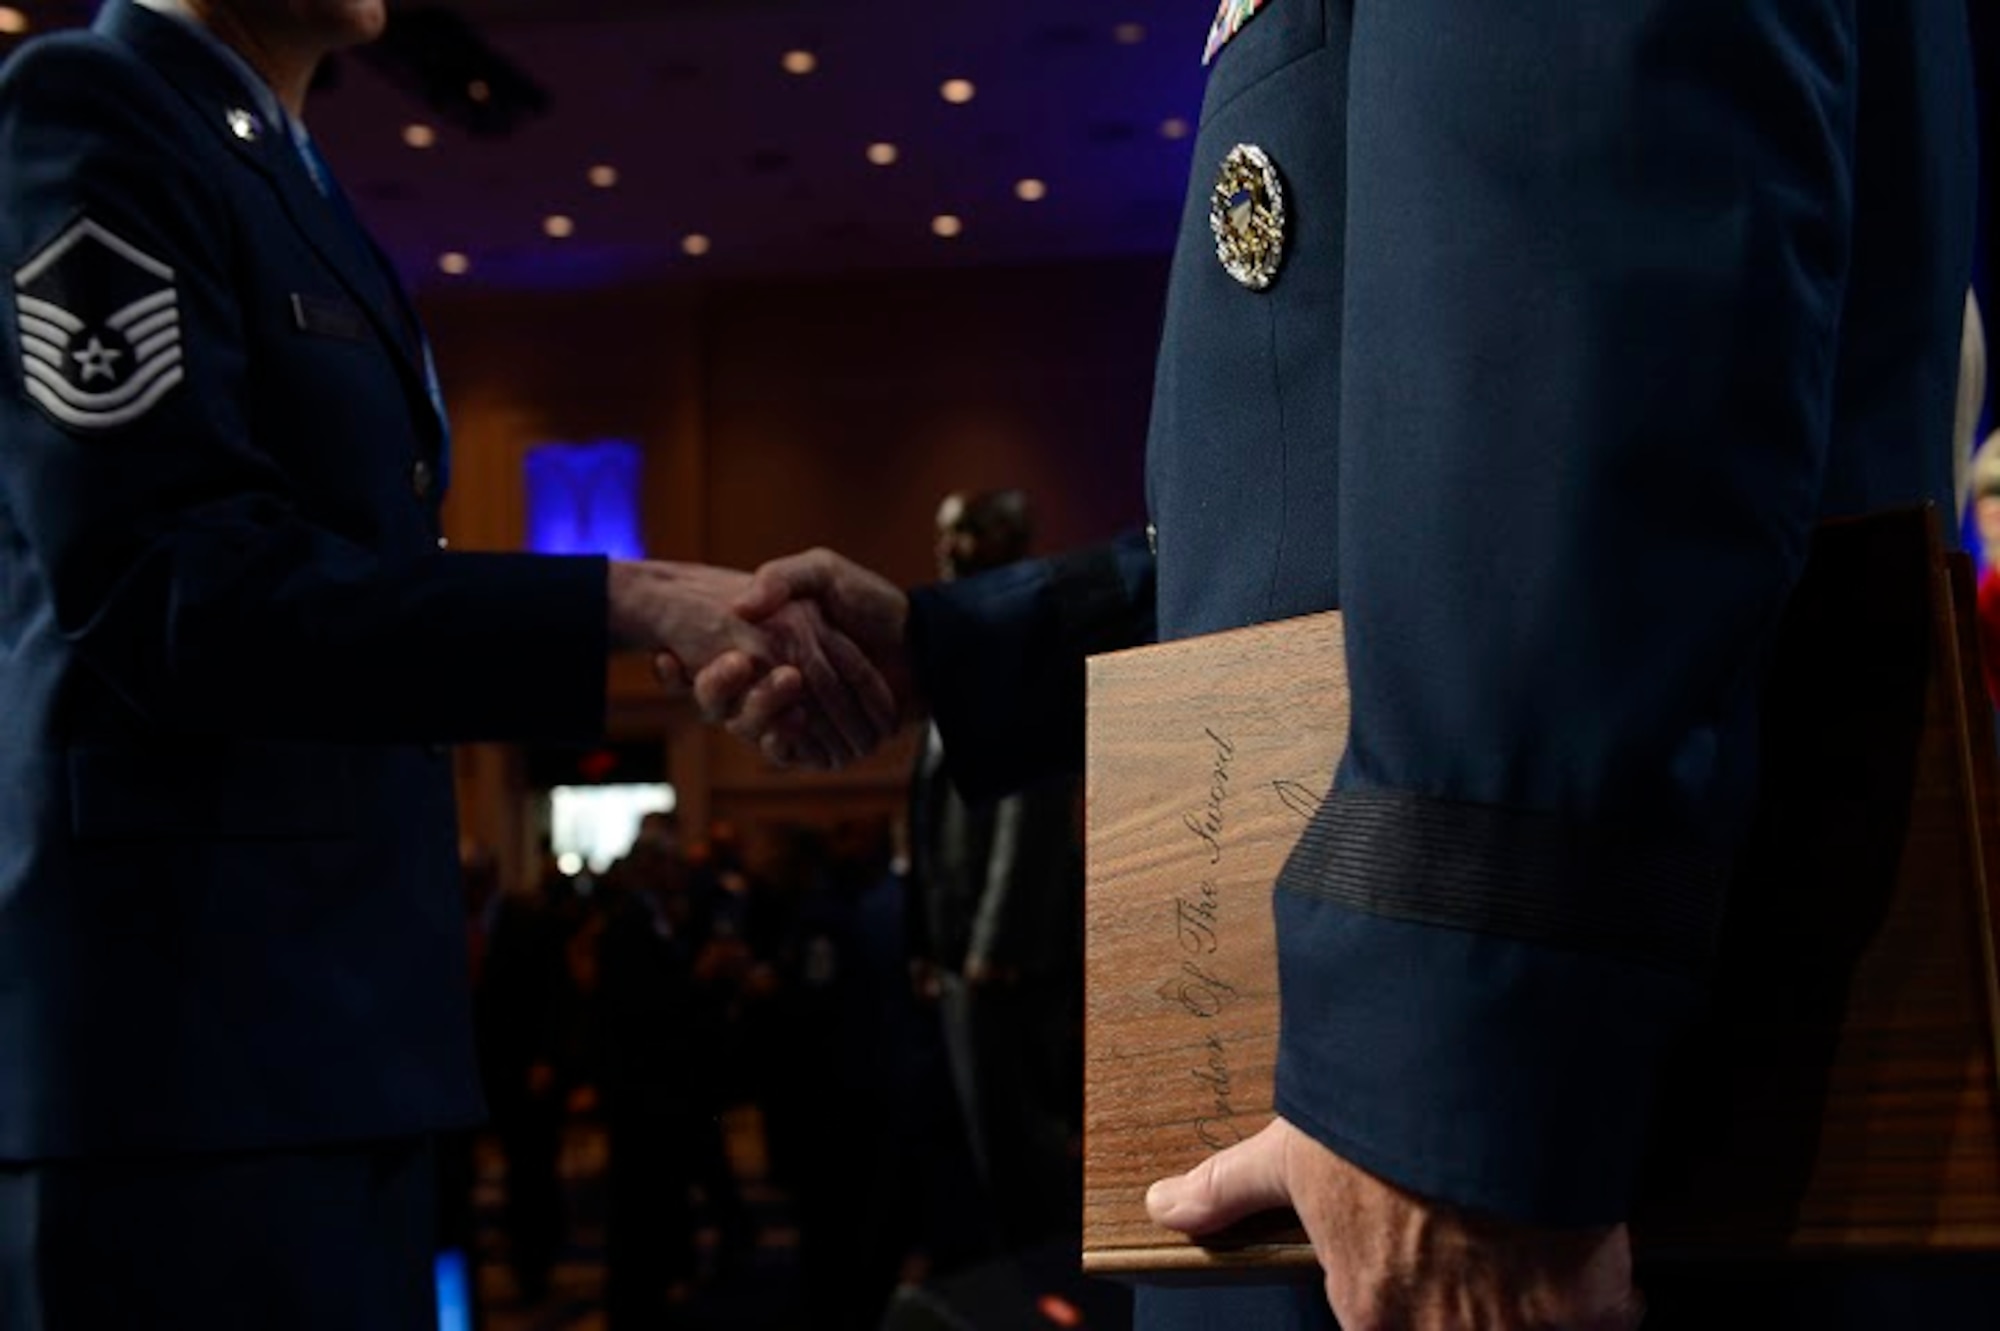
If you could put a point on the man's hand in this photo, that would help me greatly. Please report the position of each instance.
(845, 695)
(1394, 1262)
(685, 614)
(781, 711)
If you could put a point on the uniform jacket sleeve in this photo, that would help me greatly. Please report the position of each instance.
(181, 561)
(1000, 656)
(1597, 262)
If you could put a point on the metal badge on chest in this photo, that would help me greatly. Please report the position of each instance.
(1246, 210)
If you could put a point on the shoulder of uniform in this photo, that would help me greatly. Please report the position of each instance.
(80, 71)
(97, 104)
(103, 217)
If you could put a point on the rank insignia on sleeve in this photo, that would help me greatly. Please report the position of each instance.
(100, 328)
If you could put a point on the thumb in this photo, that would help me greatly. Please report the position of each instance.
(801, 577)
(1240, 1181)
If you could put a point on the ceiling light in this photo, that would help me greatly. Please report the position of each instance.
(558, 227)
(957, 91)
(882, 154)
(479, 90)
(946, 225)
(419, 136)
(454, 263)
(12, 21)
(1129, 34)
(694, 245)
(604, 177)
(1030, 191)
(800, 62)
(1174, 129)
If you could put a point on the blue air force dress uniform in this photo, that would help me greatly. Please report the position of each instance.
(1535, 337)
(231, 648)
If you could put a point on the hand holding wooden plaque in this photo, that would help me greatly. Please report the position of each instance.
(1842, 1094)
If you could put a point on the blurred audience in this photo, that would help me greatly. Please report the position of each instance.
(526, 1015)
(753, 990)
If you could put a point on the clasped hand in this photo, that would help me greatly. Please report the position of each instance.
(806, 661)
(814, 687)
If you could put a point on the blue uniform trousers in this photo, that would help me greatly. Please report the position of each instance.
(1931, 1293)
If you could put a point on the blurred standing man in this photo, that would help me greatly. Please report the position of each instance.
(996, 930)
(1535, 335)
(233, 990)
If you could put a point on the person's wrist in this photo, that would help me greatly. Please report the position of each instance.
(630, 588)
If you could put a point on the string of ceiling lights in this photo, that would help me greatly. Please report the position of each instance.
(799, 62)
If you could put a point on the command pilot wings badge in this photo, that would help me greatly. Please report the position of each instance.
(100, 328)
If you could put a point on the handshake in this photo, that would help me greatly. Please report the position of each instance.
(805, 659)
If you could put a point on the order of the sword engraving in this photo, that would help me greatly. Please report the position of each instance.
(1196, 918)
(1218, 1130)
(1207, 824)
(1195, 987)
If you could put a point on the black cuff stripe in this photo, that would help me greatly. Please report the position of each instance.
(1529, 876)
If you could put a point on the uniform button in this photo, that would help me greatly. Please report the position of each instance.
(420, 479)
(444, 543)
(1153, 539)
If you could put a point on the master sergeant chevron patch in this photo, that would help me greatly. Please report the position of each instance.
(100, 328)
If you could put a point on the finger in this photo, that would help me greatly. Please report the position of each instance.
(823, 750)
(720, 687)
(871, 692)
(777, 751)
(807, 576)
(791, 743)
(751, 640)
(764, 708)
(744, 701)
(815, 743)
(789, 735)
(842, 727)
(1240, 1181)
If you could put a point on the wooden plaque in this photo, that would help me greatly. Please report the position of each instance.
(1841, 1095)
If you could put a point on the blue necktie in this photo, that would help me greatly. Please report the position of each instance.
(322, 176)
